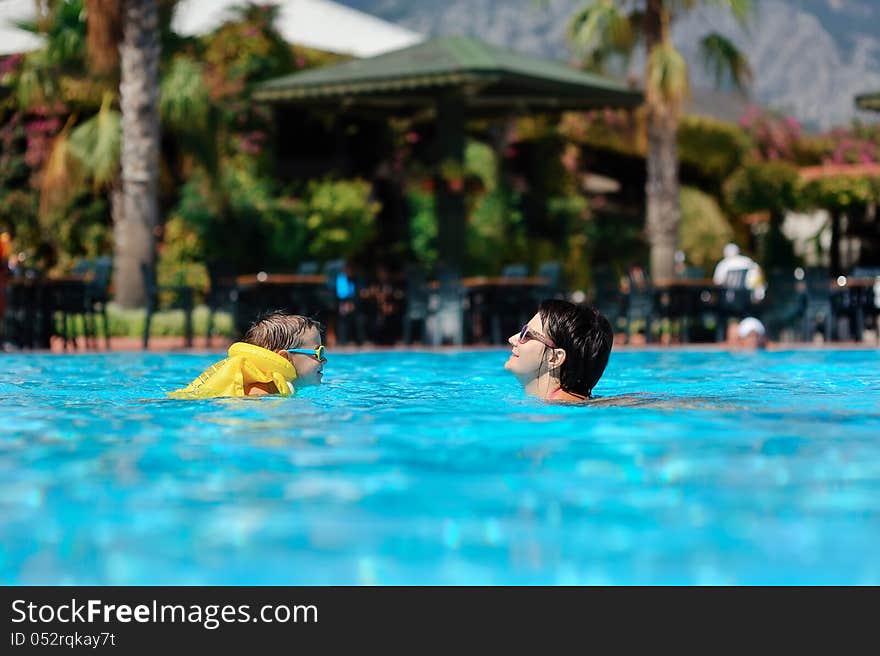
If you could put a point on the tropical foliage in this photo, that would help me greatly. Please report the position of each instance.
(61, 135)
(222, 204)
(607, 31)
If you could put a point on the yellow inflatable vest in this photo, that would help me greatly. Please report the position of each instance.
(245, 365)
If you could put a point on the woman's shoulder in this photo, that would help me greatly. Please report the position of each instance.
(561, 396)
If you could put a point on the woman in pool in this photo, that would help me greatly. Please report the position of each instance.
(560, 354)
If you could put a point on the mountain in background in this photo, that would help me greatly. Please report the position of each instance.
(810, 57)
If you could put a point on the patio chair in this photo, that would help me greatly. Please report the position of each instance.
(552, 271)
(97, 297)
(515, 271)
(869, 299)
(446, 309)
(607, 297)
(784, 305)
(416, 303)
(818, 306)
(640, 306)
(307, 268)
(222, 295)
(693, 272)
(735, 301)
(181, 299)
(66, 297)
(25, 323)
(344, 302)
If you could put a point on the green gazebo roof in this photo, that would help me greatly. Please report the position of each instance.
(486, 75)
(870, 101)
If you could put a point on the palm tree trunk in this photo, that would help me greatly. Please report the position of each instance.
(136, 216)
(661, 189)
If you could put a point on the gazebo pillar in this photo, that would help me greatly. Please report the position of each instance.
(834, 260)
(449, 180)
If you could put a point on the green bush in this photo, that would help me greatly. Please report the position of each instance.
(340, 216)
(247, 224)
(423, 226)
(181, 258)
(713, 148)
(772, 187)
(704, 230)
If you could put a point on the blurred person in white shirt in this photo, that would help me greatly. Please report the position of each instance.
(733, 260)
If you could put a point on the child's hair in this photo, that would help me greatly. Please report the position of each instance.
(278, 330)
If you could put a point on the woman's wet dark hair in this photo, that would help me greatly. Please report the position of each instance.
(586, 336)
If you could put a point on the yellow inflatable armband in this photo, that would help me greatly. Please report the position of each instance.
(245, 365)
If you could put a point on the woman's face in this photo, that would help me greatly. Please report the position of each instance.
(527, 357)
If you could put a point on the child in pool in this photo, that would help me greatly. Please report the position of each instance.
(280, 354)
(561, 353)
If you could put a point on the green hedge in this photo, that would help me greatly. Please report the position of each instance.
(167, 323)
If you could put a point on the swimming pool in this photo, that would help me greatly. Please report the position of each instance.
(434, 468)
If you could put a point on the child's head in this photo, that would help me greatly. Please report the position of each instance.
(279, 331)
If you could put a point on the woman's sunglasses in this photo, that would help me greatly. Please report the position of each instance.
(527, 333)
(317, 353)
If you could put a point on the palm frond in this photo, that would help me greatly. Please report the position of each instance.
(95, 144)
(601, 28)
(35, 83)
(187, 111)
(184, 100)
(725, 61)
(62, 177)
(741, 9)
(666, 84)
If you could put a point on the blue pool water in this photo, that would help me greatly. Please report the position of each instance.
(434, 468)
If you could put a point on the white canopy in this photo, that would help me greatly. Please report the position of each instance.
(320, 24)
(13, 39)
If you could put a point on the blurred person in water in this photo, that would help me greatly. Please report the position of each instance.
(561, 353)
(748, 334)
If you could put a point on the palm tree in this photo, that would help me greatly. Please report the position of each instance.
(131, 29)
(605, 28)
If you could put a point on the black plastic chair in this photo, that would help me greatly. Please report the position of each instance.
(552, 272)
(818, 306)
(867, 301)
(66, 298)
(344, 301)
(182, 298)
(515, 271)
(447, 309)
(222, 296)
(606, 295)
(783, 306)
(307, 268)
(97, 297)
(25, 323)
(735, 301)
(693, 272)
(416, 303)
(640, 306)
